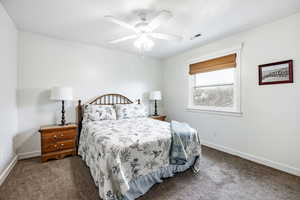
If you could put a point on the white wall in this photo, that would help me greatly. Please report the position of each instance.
(269, 129)
(8, 88)
(90, 70)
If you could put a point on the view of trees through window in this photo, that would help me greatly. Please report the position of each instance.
(214, 88)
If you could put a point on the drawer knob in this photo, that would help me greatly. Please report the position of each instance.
(55, 136)
(62, 135)
(62, 145)
(55, 145)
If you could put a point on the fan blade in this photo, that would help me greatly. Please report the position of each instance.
(120, 22)
(163, 16)
(163, 36)
(123, 39)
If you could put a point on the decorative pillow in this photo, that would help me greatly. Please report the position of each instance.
(99, 112)
(128, 111)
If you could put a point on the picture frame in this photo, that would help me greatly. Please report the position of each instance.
(276, 73)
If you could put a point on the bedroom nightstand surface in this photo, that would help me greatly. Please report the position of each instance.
(159, 117)
(58, 141)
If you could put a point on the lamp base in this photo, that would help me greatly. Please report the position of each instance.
(63, 121)
(65, 124)
(155, 108)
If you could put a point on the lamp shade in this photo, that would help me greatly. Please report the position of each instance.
(62, 93)
(155, 95)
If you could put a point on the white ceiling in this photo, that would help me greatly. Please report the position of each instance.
(83, 21)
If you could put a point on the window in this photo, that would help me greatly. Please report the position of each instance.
(214, 84)
(214, 89)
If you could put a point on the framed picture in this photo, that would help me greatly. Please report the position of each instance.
(276, 73)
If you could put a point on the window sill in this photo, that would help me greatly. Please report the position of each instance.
(215, 112)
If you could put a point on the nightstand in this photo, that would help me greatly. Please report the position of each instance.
(159, 117)
(58, 141)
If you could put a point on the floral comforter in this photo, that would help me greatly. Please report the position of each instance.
(118, 151)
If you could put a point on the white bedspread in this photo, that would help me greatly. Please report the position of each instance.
(118, 151)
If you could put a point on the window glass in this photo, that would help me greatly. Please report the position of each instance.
(214, 89)
(215, 77)
(219, 96)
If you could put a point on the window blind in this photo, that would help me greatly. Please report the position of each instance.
(215, 64)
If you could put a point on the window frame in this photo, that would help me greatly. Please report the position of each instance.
(236, 110)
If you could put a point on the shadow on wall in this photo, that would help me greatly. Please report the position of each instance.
(26, 139)
(35, 109)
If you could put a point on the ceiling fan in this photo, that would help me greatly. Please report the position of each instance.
(144, 30)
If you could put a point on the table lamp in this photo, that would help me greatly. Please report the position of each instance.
(156, 96)
(62, 94)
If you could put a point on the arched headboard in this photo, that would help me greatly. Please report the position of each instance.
(110, 99)
(106, 99)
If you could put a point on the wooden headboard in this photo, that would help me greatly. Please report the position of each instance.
(107, 99)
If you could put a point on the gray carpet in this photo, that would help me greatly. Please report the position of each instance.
(222, 177)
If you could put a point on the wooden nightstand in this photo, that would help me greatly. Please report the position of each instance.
(160, 117)
(58, 141)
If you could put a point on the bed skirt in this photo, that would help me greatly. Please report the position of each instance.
(142, 184)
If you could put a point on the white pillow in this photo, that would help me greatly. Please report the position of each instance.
(127, 111)
(98, 113)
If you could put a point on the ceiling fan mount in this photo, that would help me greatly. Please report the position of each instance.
(144, 29)
(142, 14)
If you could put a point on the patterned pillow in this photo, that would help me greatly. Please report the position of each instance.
(128, 111)
(98, 113)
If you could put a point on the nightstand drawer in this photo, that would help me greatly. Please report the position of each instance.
(59, 135)
(50, 147)
(58, 146)
(68, 144)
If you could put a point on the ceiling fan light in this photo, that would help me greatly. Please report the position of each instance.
(143, 43)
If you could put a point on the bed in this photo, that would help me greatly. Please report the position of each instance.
(128, 155)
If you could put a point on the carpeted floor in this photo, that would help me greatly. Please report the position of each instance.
(223, 177)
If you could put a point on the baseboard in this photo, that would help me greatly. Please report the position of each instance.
(27, 155)
(8, 169)
(260, 160)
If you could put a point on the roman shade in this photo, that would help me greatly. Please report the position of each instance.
(219, 63)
